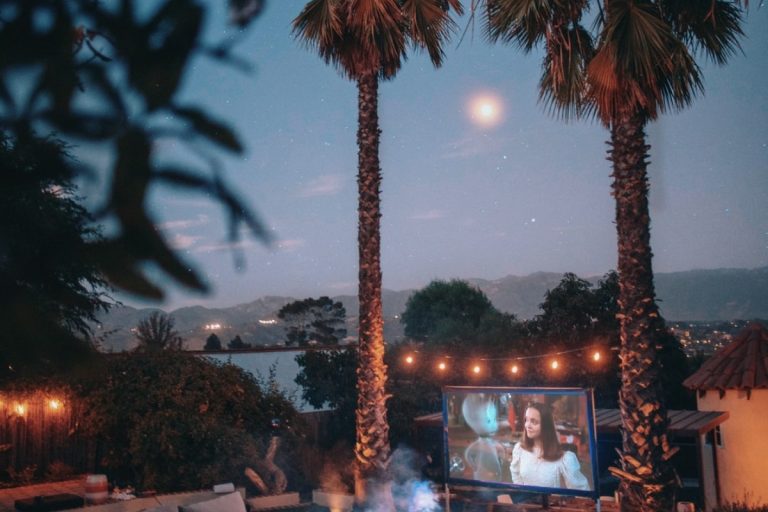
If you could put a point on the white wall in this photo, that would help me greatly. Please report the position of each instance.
(742, 461)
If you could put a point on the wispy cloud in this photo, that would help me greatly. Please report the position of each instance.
(326, 185)
(428, 215)
(289, 245)
(471, 145)
(240, 244)
(200, 220)
(181, 242)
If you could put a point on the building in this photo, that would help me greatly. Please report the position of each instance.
(735, 380)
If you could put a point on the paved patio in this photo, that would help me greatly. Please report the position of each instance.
(9, 496)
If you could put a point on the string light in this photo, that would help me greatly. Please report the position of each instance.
(54, 404)
(20, 409)
(516, 364)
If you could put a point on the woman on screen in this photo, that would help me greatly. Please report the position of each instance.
(539, 460)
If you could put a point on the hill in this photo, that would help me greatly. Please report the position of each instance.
(695, 295)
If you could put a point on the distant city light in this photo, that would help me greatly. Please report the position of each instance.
(211, 327)
(270, 321)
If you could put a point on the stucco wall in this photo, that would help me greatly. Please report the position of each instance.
(742, 461)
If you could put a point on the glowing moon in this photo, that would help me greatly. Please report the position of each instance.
(486, 109)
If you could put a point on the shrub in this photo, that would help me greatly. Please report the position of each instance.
(172, 421)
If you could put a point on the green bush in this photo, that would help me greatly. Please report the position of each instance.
(172, 421)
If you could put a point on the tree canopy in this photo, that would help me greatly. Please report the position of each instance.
(321, 321)
(51, 285)
(173, 421)
(213, 342)
(156, 332)
(445, 310)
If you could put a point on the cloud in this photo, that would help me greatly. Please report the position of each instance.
(200, 220)
(326, 185)
(240, 244)
(180, 242)
(428, 215)
(471, 145)
(289, 245)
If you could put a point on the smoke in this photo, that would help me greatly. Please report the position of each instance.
(409, 493)
(331, 479)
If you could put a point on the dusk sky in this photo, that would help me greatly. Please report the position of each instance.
(460, 198)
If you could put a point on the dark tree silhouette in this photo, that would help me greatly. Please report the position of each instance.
(314, 320)
(237, 343)
(51, 289)
(212, 342)
(156, 332)
(445, 310)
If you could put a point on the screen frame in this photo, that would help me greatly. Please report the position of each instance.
(498, 390)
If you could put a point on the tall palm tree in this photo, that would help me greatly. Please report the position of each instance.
(366, 41)
(636, 63)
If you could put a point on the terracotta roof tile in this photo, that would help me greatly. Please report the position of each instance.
(742, 364)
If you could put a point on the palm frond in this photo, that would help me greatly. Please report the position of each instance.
(682, 81)
(642, 65)
(524, 22)
(709, 26)
(377, 29)
(319, 27)
(564, 72)
(430, 25)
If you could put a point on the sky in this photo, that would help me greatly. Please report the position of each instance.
(460, 198)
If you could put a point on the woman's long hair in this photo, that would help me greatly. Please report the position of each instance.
(550, 442)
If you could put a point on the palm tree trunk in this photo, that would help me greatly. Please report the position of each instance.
(647, 479)
(372, 446)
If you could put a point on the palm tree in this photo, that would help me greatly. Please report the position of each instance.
(636, 64)
(366, 41)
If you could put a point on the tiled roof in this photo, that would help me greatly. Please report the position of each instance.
(742, 364)
(681, 423)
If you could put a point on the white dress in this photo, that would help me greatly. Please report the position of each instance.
(527, 468)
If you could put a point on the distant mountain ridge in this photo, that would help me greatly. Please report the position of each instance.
(702, 295)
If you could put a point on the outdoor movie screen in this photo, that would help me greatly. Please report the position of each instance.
(536, 439)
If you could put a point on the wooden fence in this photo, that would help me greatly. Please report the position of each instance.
(39, 435)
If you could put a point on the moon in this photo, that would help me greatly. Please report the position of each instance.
(486, 109)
